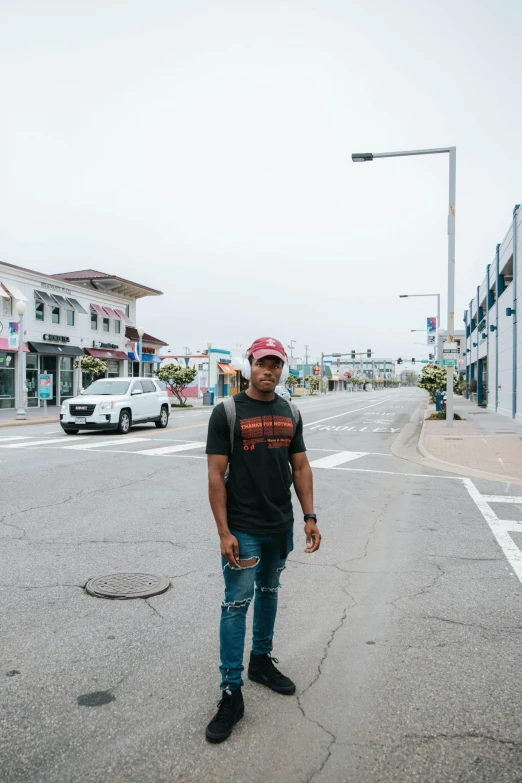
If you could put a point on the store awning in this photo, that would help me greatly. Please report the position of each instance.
(14, 291)
(226, 368)
(105, 353)
(112, 313)
(61, 302)
(4, 346)
(146, 357)
(98, 309)
(327, 371)
(336, 377)
(294, 372)
(56, 350)
(43, 296)
(76, 305)
(123, 316)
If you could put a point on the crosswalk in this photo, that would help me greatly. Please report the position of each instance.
(157, 447)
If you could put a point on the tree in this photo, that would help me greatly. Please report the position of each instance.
(177, 379)
(96, 368)
(292, 380)
(434, 378)
(313, 381)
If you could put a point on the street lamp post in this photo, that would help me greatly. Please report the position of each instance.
(20, 410)
(363, 157)
(141, 332)
(209, 346)
(437, 343)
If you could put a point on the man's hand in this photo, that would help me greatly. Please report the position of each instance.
(230, 549)
(313, 536)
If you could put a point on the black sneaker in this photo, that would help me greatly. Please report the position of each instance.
(261, 669)
(231, 708)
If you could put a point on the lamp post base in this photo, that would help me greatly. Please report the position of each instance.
(21, 414)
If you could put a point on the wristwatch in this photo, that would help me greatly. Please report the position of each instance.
(310, 516)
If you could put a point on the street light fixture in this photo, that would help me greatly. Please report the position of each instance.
(141, 332)
(363, 157)
(20, 410)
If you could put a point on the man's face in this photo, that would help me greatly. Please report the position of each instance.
(266, 373)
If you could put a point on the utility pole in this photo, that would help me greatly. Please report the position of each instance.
(306, 355)
(291, 347)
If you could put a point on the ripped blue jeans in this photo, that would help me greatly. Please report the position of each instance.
(266, 555)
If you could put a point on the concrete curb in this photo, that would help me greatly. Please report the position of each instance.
(423, 457)
(26, 422)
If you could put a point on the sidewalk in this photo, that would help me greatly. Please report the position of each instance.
(34, 416)
(484, 441)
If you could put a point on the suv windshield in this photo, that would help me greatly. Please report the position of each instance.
(107, 386)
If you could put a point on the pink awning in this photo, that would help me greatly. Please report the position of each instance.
(4, 346)
(123, 316)
(98, 309)
(103, 353)
(111, 313)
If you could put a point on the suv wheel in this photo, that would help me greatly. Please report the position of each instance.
(124, 423)
(70, 432)
(163, 419)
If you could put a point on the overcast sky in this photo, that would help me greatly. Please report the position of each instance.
(203, 148)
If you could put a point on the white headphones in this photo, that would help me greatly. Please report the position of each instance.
(247, 374)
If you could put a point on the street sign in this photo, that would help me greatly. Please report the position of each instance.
(46, 387)
(450, 362)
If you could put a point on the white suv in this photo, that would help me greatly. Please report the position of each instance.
(116, 404)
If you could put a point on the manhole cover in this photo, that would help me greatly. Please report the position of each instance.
(127, 585)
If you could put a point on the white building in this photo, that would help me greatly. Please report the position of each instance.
(493, 349)
(67, 316)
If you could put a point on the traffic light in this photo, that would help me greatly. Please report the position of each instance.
(353, 355)
(399, 361)
(413, 361)
(368, 353)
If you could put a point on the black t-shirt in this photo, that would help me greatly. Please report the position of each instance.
(258, 486)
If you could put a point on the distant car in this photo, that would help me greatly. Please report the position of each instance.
(283, 392)
(116, 404)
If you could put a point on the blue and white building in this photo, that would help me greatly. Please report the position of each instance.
(493, 346)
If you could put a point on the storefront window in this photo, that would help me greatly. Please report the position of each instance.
(56, 315)
(147, 369)
(39, 311)
(7, 307)
(31, 379)
(113, 368)
(105, 324)
(117, 327)
(7, 380)
(94, 321)
(66, 377)
(70, 317)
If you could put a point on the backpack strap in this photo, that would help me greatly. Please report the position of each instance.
(295, 412)
(230, 409)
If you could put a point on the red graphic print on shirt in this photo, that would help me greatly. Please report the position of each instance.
(276, 431)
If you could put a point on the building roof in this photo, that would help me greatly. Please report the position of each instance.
(132, 334)
(102, 281)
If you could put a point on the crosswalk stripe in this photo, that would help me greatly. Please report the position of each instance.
(40, 442)
(337, 459)
(99, 444)
(169, 449)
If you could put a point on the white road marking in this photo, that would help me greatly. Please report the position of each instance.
(501, 499)
(337, 459)
(500, 528)
(17, 437)
(346, 413)
(99, 444)
(169, 449)
(41, 442)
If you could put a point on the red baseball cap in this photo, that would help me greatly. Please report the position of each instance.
(267, 346)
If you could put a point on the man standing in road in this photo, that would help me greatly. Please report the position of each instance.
(257, 437)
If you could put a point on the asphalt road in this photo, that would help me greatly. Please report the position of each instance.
(402, 633)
